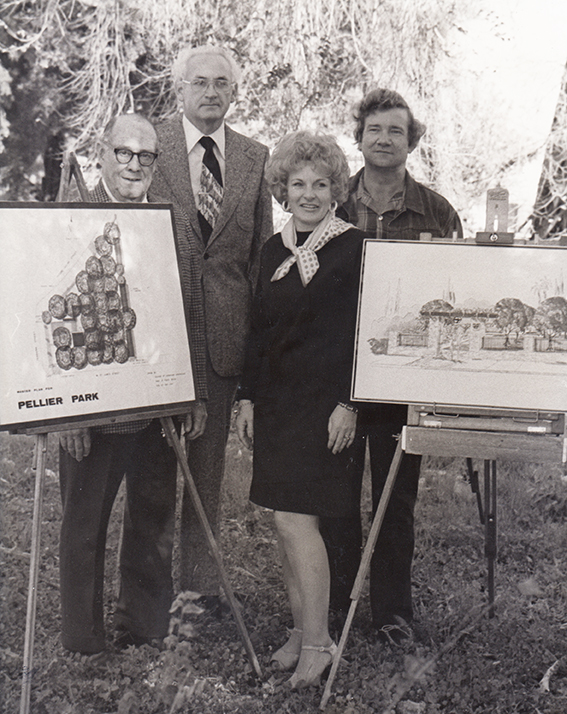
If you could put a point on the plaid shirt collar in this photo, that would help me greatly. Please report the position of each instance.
(408, 198)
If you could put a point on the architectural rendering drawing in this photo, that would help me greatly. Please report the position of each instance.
(93, 320)
(463, 324)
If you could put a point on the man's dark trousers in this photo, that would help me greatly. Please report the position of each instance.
(390, 572)
(198, 570)
(88, 491)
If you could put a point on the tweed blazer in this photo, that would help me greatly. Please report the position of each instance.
(188, 259)
(229, 263)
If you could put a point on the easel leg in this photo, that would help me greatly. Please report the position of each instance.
(364, 566)
(173, 439)
(39, 463)
(473, 479)
(490, 546)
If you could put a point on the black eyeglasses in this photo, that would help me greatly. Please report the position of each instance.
(200, 84)
(124, 156)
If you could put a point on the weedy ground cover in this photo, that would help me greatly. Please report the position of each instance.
(457, 662)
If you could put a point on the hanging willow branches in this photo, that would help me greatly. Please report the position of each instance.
(306, 62)
(549, 218)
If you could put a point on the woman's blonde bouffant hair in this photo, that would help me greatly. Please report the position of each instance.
(303, 147)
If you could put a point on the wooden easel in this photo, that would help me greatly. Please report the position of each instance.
(171, 434)
(39, 467)
(71, 169)
(487, 434)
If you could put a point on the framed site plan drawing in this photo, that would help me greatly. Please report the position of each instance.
(462, 324)
(92, 321)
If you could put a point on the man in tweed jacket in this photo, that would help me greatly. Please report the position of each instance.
(205, 82)
(93, 462)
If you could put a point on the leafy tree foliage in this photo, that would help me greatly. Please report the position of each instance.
(512, 316)
(550, 318)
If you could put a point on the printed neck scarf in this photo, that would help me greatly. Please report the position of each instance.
(304, 255)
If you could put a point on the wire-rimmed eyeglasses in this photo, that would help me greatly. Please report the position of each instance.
(124, 156)
(200, 84)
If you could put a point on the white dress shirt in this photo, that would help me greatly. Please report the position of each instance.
(195, 152)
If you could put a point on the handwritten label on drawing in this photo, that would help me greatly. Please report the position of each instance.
(167, 380)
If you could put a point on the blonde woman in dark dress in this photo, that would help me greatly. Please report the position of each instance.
(294, 394)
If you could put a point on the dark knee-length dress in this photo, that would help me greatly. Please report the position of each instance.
(298, 367)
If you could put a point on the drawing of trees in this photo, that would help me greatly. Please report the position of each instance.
(550, 319)
(436, 315)
(530, 312)
(512, 317)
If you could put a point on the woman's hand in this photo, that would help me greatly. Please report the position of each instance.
(342, 428)
(245, 423)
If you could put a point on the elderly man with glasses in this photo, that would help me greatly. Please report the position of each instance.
(93, 462)
(217, 176)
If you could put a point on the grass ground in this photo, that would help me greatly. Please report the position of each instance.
(473, 664)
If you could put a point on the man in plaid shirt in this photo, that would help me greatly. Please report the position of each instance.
(93, 462)
(387, 203)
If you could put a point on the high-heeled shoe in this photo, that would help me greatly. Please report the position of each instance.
(314, 679)
(284, 659)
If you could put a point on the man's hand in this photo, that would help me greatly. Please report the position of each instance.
(245, 423)
(196, 419)
(76, 442)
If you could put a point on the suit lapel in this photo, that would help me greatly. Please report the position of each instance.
(237, 166)
(180, 177)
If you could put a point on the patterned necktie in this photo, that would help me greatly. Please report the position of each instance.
(211, 189)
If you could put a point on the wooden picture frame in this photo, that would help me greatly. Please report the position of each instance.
(461, 324)
(92, 319)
